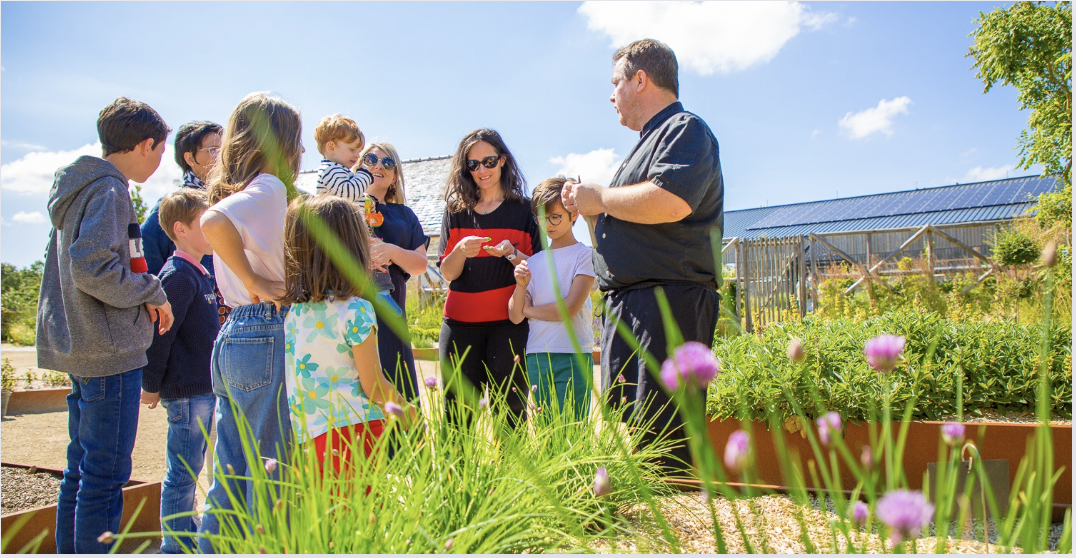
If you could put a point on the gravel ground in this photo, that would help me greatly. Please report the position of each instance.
(25, 489)
(772, 525)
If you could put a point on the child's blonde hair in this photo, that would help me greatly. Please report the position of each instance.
(337, 128)
(262, 132)
(183, 206)
(312, 276)
(396, 192)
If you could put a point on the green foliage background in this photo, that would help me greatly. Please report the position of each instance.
(997, 362)
(19, 290)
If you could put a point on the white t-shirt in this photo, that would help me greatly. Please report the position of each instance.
(257, 212)
(552, 337)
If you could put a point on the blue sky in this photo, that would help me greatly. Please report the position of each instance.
(808, 100)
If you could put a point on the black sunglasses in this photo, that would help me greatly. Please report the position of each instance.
(387, 163)
(488, 162)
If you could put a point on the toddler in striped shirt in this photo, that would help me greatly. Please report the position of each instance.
(340, 142)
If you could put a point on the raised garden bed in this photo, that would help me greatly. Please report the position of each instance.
(994, 440)
(47, 400)
(41, 488)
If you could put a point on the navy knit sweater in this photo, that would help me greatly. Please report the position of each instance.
(179, 360)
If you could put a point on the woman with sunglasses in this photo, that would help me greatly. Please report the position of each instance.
(400, 245)
(487, 229)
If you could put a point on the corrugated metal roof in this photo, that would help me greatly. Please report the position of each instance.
(959, 203)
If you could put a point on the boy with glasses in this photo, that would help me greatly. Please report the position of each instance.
(565, 269)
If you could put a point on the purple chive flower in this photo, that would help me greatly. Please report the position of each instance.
(534, 389)
(621, 379)
(482, 403)
(602, 486)
(393, 409)
(866, 457)
(448, 545)
(270, 465)
(883, 351)
(828, 424)
(737, 451)
(106, 538)
(952, 433)
(795, 350)
(905, 512)
(860, 512)
(431, 382)
(692, 362)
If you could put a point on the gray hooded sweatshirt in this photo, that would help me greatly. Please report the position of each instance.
(91, 318)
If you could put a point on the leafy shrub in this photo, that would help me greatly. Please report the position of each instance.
(22, 333)
(995, 362)
(425, 321)
(19, 291)
(1012, 246)
(8, 380)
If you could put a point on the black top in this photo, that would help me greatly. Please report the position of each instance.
(479, 296)
(179, 360)
(678, 153)
(401, 228)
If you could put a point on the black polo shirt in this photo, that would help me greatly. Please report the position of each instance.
(678, 153)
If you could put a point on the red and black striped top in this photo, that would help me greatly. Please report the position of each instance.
(479, 296)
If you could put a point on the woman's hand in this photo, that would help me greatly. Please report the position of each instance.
(380, 254)
(470, 245)
(502, 248)
(261, 290)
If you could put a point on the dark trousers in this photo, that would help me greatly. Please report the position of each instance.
(397, 358)
(695, 309)
(490, 360)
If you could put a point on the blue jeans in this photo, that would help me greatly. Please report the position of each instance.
(248, 373)
(186, 456)
(102, 421)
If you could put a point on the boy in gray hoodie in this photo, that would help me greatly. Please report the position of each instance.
(95, 317)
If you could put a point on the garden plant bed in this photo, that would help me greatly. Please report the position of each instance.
(35, 498)
(994, 440)
(44, 400)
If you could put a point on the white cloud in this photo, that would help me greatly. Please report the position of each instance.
(708, 37)
(597, 166)
(980, 174)
(33, 173)
(29, 218)
(878, 119)
(815, 133)
(21, 145)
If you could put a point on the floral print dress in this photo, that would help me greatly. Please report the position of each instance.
(320, 375)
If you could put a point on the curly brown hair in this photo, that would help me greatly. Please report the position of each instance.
(461, 192)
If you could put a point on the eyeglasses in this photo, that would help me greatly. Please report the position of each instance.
(488, 162)
(553, 218)
(387, 163)
(213, 151)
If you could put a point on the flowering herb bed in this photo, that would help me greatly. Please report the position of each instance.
(993, 364)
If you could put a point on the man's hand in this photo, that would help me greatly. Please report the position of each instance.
(522, 274)
(151, 399)
(502, 248)
(162, 313)
(470, 245)
(585, 199)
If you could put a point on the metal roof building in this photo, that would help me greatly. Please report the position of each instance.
(980, 202)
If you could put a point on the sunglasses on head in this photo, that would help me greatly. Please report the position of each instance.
(387, 163)
(488, 162)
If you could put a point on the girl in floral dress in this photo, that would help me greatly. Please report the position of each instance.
(337, 392)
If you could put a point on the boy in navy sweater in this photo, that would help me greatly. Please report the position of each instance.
(178, 373)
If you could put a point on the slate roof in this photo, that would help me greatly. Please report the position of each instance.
(993, 200)
(424, 181)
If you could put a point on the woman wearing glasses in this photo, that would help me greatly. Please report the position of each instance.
(399, 245)
(488, 228)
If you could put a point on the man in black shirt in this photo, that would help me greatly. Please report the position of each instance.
(652, 227)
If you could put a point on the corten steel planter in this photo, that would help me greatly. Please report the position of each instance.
(38, 401)
(43, 519)
(994, 440)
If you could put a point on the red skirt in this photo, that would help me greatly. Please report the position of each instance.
(342, 440)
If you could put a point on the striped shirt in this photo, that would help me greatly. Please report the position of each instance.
(336, 179)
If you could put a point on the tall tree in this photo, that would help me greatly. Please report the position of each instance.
(1029, 46)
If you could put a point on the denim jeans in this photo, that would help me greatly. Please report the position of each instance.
(186, 456)
(248, 373)
(102, 421)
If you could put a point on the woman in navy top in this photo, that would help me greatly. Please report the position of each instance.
(402, 250)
